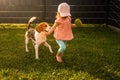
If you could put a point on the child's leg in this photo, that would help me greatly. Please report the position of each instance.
(62, 48)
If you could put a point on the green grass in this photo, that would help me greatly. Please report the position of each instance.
(93, 54)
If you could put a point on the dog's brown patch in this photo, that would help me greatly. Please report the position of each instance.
(41, 27)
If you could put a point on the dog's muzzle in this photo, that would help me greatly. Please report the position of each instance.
(48, 28)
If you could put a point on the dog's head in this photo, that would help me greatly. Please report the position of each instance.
(43, 26)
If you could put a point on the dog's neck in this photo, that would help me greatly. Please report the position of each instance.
(42, 31)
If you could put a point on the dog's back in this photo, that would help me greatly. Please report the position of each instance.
(31, 33)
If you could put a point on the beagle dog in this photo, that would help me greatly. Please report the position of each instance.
(37, 36)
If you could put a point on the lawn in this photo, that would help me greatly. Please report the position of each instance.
(93, 54)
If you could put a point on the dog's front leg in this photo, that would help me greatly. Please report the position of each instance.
(47, 45)
(36, 51)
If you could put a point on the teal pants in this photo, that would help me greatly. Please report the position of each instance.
(62, 45)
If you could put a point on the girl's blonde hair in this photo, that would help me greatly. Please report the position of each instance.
(58, 16)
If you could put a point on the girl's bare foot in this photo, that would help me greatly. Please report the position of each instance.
(59, 57)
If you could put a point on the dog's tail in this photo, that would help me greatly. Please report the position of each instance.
(30, 21)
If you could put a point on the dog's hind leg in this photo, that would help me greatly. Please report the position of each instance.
(33, 42)
(47, 45)
(26, 44)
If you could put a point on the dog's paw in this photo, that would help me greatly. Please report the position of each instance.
(37, 58)
(27, 50)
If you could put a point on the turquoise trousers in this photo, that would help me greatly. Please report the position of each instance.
(62, 45)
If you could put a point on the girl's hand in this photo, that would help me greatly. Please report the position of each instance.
(73, 25)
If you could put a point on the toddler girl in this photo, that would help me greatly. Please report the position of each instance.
(62, 29)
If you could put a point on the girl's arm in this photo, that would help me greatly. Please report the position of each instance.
(73, 25)
(52, 28)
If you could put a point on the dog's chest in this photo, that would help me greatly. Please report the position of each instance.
(40, 37)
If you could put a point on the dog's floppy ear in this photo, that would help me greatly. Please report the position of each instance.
(41, 27)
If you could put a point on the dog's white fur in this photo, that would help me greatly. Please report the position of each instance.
(38, 37)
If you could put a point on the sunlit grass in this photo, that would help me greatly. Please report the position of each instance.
(93, 54)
